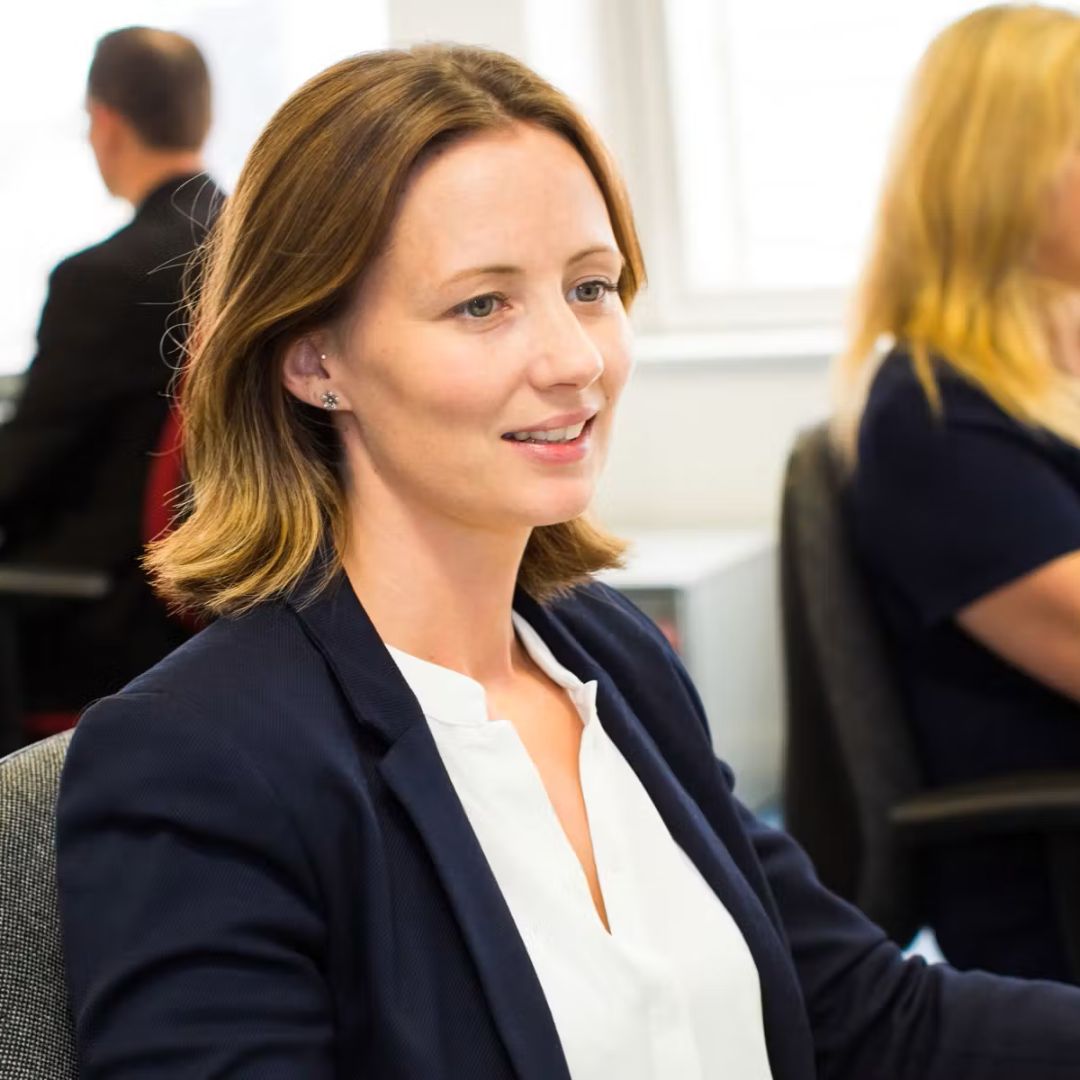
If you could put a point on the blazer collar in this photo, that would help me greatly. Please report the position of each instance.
(411, 766)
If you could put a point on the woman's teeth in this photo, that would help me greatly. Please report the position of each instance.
(565, 434)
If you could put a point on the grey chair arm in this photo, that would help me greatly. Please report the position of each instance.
(1033, 802)
(18, 580)
(21, 586)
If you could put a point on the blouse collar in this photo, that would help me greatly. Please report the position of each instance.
(450, 697)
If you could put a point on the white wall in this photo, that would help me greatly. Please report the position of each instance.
(499, 24)
(701, 444)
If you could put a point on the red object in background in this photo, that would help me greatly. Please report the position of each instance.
(43, 724)
(671, 632)
(163, 479)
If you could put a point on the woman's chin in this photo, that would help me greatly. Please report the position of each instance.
(550, 505)
(557, 515)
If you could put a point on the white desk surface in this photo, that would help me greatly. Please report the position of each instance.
(676, 558)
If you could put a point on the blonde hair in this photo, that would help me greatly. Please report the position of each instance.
(993, 114)
(311, 211)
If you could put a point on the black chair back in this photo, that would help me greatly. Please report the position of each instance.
(848, 757)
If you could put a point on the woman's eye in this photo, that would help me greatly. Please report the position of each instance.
(589, 292)
(479, 307)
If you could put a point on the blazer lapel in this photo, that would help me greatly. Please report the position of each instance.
(782, 1001)
(413, 770)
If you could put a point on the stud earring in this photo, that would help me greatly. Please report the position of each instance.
(329, 400)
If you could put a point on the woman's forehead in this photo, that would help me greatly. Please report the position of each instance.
(515, 193)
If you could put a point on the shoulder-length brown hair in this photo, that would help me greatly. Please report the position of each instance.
(311, 211)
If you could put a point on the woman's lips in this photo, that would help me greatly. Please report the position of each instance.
(556, 453)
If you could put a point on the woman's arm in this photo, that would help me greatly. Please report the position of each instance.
(192, 932)
(1034, 623)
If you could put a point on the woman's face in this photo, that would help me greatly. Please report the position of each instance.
(1058, 250)
(487, 348)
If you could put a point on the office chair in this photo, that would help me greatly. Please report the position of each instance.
(24, 583)
(21, 584)
(36, 1033)
(854, 794)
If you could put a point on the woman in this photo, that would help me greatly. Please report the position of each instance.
(424, 802)
(965, 445)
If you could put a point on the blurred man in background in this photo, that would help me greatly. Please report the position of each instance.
(74, 458)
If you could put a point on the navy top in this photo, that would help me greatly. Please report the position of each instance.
(947, 508)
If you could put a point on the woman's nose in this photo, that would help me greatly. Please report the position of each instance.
(565, 354)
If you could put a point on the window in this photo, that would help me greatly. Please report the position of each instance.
(768, 148)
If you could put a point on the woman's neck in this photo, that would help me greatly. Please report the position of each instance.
(439, 590)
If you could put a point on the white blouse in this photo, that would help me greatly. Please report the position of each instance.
(672, 993)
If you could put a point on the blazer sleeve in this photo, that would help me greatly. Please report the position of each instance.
(90, 324)
(191, 921)
(876, 1016)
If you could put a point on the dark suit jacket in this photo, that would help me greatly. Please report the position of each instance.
(265, 872)
(74, 457)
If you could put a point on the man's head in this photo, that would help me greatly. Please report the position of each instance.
(148, 97)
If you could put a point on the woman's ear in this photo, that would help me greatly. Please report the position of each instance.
(305, 375)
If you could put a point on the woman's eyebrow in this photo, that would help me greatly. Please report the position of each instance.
(501, 270)
(505, 270)
(598, 249)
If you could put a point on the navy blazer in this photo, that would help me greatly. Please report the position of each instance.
(265, 873)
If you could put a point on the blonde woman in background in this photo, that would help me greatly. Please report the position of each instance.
(963, 434)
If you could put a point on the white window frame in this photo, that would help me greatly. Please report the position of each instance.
(635, 60)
